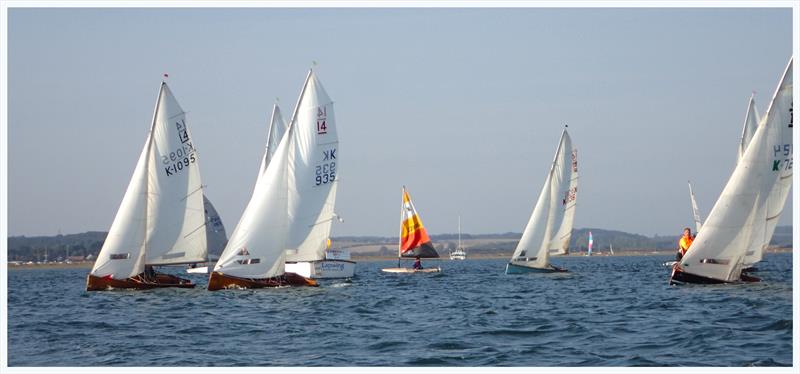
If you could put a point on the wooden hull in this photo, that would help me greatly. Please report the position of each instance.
(519, 269)
(411, 271)
(138, 282)
(681, 277)
(220, 281)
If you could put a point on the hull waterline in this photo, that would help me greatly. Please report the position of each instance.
(220, 281)
(138, 282)
(519, 269)
(679, 277)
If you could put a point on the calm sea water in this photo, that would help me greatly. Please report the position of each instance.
(608, 311)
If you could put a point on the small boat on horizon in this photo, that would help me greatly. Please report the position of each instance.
(459, 253)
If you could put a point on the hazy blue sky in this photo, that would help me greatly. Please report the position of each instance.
(463, 106)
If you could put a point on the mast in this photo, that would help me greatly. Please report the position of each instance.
(459, 232)
(400, 237)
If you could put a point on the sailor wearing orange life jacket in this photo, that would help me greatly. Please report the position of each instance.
(684, 243)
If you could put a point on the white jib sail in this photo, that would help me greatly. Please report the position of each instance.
(176, 218)
(277, 127)
(738, 220)
(313, 173)
(533, 248)
(256, 246)
(751, 122)
(695, 210)
(560, 243)
(122, 255)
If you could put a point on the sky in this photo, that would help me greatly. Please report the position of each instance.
(463, 106)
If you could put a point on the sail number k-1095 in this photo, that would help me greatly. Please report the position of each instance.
(179, 159)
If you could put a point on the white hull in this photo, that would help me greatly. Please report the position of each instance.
(458, 256)
(410, 270)
(322, 269)
(198, 270)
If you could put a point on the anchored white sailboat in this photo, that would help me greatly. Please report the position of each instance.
(740, 220)
(161, 218)
(541, 234)
(459, 253)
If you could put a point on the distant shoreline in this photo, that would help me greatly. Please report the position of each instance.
(368, 258)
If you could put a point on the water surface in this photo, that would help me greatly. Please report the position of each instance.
(607, 311)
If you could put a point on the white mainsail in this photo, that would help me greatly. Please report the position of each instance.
(215, 230)
(560, 244)
(313, 173)
(738, 221)
(533, 248)
(161, 218)
(176, 215)
(695, 210)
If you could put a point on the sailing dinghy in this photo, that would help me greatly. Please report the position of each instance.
(161, 218)
(532, 253)
(740, 220)
(283, 203)
(414, 240)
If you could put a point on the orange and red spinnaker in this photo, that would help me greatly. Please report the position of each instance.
(414, 240)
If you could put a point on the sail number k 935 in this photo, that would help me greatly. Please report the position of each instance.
(326, 172)
(179, 159)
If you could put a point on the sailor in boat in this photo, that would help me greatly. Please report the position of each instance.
(149, 273)
(684, 243)
(417, 264)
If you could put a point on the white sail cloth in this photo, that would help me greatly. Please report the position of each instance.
(292, 203)
(548, 213)
(738, 221)
(161, 218)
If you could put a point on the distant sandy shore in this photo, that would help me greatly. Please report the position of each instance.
(369, 258)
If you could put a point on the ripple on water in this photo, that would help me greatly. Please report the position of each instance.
(608, 311)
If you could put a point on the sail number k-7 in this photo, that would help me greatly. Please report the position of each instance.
(782, 151)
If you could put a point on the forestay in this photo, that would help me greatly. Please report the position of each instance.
(738, 221)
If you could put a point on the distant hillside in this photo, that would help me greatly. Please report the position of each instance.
(22, 248)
